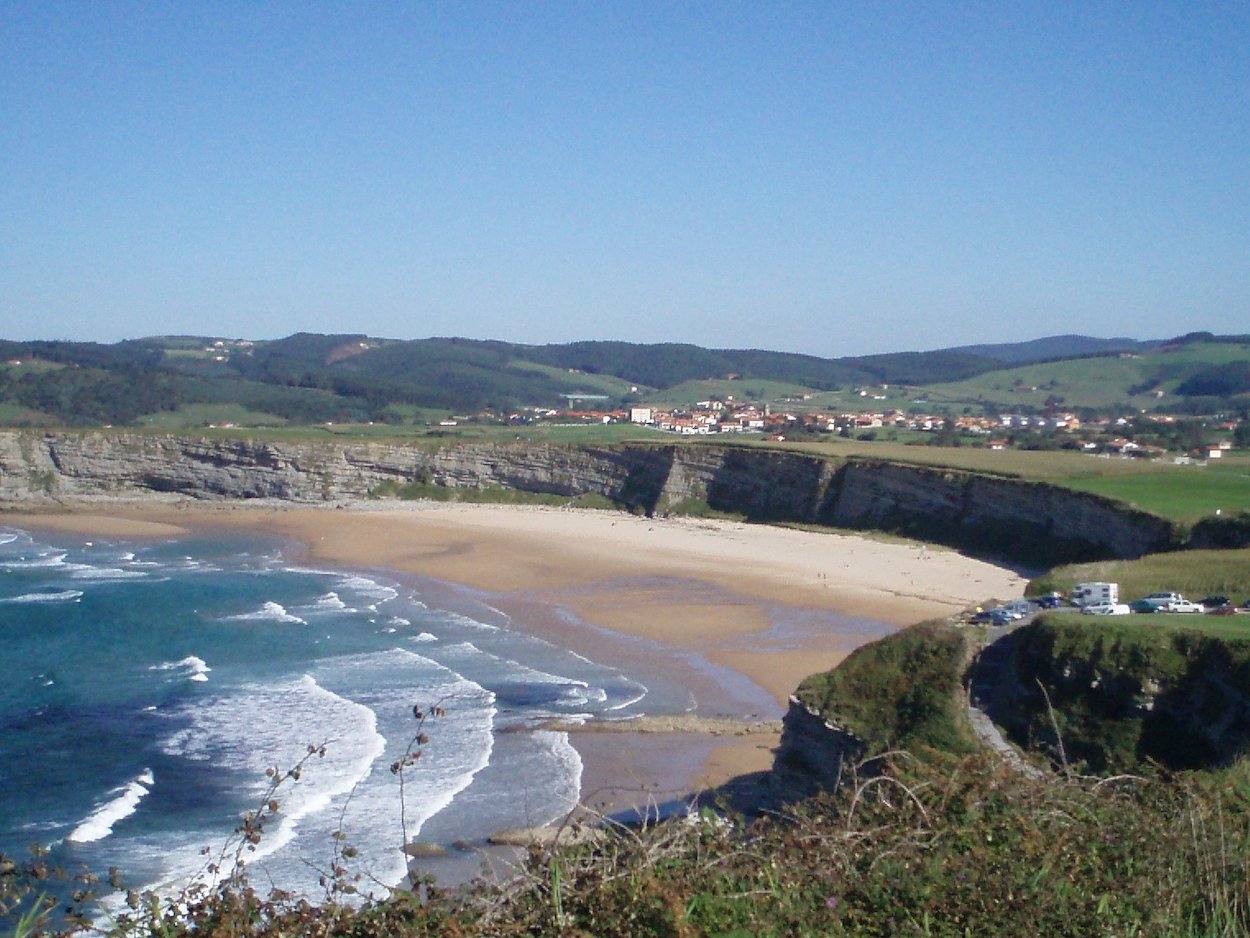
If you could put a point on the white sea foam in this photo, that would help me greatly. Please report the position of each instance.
(8, 537)
(123, 803)
(82, 571)
(345, 790)
(423, 637)
(455, 618)
(195, 669)
(260, 726)
(400, 620)
(366, 588)
(52, 596)
(36, 563)
(313, 571)
(330, 600)
(566, 786)
(269, 612)
(630, 701)
(461, 741)
(573, 691)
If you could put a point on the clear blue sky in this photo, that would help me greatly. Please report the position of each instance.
(827, 177)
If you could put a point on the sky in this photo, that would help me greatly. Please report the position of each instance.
(834, 178)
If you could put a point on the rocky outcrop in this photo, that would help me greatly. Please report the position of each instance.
(815, 751)
(1008, 518)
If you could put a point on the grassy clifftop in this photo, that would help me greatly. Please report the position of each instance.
(902, 692)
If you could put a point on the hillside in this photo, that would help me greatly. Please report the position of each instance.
(187, 381)
(1185, 376)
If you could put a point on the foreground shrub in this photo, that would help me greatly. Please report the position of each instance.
(948, 847)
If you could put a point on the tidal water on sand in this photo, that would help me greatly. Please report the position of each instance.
(148, 686)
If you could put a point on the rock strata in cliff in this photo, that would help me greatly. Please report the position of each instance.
(816, 752)
(1008, 518)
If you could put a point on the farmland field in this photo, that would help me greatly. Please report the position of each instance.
(1182, 493)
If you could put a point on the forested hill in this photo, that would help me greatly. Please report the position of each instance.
(307, 378)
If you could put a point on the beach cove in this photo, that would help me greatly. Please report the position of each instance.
(737, 614)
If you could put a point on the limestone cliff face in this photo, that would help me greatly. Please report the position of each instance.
(1027, 521)
(84, 466)
(1009, 518)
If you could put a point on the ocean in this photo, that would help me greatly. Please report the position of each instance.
(149, 686)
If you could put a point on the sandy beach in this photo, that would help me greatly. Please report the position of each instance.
(740, 613)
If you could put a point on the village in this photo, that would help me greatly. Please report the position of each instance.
(1105, 435)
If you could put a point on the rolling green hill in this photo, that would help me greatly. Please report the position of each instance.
(1164, 377)
(187, 381)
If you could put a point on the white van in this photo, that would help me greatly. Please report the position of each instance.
(1106, 609)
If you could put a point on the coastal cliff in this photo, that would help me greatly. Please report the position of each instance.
(1115, 695)
(1009, 518)
(815, 752)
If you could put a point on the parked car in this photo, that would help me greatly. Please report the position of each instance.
(1229, 610)
(1184, 605)
(1107, 609)
(1213, 602)
(1049, 601)
(1021, 607)
(995, 616)
(1143, 605)
(1163, 600)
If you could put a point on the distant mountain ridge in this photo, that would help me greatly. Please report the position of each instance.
(351, 377)
(1055, 347)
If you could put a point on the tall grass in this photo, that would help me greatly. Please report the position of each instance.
(1195, 573)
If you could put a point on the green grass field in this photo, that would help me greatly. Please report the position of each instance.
(15, 415)
(435, 436)
(192, 416)
(583, 381)
(28, 366)
(1224, 627)
(1089, 382)
(1182, 493)
(1178, 493)
(688, 392)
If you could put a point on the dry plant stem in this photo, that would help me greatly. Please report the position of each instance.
(410, 757)
(1054, 724)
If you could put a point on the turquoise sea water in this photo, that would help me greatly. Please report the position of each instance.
(147, 687)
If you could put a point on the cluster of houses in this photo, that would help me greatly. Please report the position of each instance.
(1097, 435)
